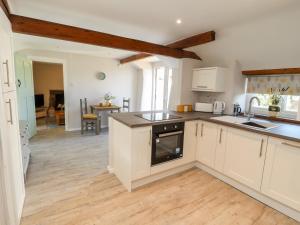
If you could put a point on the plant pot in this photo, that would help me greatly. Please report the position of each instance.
(274, 110)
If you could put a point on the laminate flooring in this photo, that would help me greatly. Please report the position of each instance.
(67, 184)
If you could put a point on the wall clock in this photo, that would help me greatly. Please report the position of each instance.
(100, 76)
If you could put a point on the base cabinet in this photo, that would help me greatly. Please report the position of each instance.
(14, 156)
(206, 143)
(190, 140)
(220, 149)
(245, 157)
(141, 152)
(268, 165)
(281, 180)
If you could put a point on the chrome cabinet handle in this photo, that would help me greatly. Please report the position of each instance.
(150, 137)
(7, 73)
(196, 133)
(10, 112)
(201, 86)
(220, 138)
(291, 145)
(202, 125)
(261, 148)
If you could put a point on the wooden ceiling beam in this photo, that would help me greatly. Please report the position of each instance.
(25, 25)
(5, 7)
(195, 40)
(181, 44)
(271, 71)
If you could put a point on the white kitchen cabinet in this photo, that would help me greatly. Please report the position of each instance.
(245, 156)
(141, 152)
(14, 155)
(281, 174)
(190, 141)
(206, 143)
(7, 75)
(220, 149)
(210, 79)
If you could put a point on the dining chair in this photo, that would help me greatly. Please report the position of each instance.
(126, 104)
(89, 120)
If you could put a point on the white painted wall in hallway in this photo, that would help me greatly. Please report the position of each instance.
(121, 81)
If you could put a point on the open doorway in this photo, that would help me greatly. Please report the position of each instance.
(49, 94)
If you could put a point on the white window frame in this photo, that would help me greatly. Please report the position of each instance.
(166, 85)
(264, 110)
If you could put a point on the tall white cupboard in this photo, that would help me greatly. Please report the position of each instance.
(11, 168)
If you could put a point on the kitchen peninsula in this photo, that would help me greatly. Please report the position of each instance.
(267, 163)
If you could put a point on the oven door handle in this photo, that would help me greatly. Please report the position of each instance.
(170, 134)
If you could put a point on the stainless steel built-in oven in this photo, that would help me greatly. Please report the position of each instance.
(167, 142)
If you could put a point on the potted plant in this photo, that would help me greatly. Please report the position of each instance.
(108, 99)
(275, 101)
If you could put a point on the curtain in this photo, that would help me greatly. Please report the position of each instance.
(266, 84)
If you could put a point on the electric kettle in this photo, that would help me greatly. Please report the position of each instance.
(218, 107)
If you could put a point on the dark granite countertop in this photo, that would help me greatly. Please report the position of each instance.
(283, 130)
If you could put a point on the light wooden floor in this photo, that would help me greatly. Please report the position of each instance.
(68, 185)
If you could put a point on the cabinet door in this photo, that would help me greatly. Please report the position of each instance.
(14, 147)
(245, 155)
(190, 141)
(220, 149)
(21, 88)
(6, 59)
(281, 174)
(204, 79)
(141, 152)
(206, 143)
(31, 117)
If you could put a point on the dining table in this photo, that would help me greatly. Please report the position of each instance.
(97, 109)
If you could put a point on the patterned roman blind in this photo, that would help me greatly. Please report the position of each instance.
(264, 84)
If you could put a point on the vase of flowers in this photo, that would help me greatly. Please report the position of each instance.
(108, 99)
(275, 101)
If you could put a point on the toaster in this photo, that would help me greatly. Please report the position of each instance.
(203, 107)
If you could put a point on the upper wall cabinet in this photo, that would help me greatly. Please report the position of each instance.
(6, 67)
(210, 79)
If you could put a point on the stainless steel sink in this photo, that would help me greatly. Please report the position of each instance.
(243, 121)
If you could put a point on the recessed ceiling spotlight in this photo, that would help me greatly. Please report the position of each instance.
(179, 21)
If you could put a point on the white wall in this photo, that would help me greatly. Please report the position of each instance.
(121, 81)
(269, 42)
(187, 95)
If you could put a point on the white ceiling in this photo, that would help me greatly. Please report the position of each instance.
(148, 20)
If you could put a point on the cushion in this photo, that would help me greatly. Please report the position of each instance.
(89, 116)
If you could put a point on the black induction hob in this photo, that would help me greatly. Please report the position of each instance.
(159, 116)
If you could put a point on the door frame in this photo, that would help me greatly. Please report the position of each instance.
(65, 79)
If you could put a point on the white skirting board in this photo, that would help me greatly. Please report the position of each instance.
(254, 194)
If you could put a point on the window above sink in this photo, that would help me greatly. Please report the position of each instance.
(289, 105)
